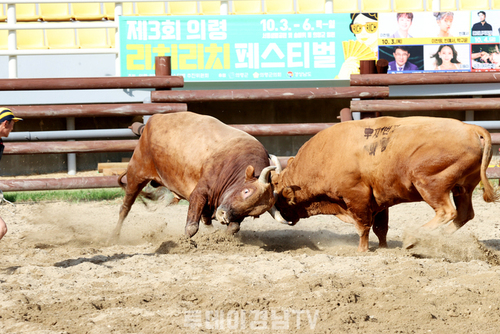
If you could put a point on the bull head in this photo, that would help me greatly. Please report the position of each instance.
(253, 199)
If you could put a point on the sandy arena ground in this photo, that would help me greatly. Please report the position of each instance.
(59, 275)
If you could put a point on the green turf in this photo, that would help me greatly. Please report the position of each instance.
(77, 195)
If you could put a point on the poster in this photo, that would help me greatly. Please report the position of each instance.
(236, 47)
(309, 46)
(425, 41)
(485, 39)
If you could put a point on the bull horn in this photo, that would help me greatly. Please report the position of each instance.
(275, 213)
(264, 175)
(276, 162)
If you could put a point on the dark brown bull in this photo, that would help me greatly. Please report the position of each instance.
(356, 170)
(204, 161)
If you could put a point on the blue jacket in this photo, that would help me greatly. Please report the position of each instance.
(408, 67)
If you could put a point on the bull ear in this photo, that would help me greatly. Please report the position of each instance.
(289, 194)
(275, 178)
(249, 173)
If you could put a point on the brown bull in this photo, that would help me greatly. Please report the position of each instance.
(204, 161)
(356, 170)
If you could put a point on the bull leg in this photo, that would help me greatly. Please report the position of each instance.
(381, 226)
(363, 221)
(197, 202)
(442, 205)
(465, 211)
(132, 190)
(360, 213)
(206, 216)
(364, 233)
(362, 227)
(444, 209)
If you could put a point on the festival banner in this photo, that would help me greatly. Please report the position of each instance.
(249, 47)
(235, 47)
(309, 46)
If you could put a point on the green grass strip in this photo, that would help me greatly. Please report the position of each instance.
(77, 195)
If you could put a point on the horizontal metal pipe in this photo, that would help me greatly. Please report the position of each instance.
(423, 78)
(70, 135)
(86, 110)
(425, 105)
(269, 94)
(70, 147)
(253, 129)
(7, 185)
(91, 83)
(488, 125)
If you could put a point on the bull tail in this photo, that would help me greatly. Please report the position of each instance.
(489, 194)
(149, 194)
(120, 182)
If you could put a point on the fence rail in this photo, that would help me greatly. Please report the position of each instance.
(86, 110)
(86, 182)
(424, 79)
(91, 83)
(270, 94)
(425, 105)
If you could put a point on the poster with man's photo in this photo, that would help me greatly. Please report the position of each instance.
(403, 58)
(485, 25)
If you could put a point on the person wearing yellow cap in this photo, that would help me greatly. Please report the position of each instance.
(7, 120)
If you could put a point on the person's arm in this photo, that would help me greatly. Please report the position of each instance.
(479, 55)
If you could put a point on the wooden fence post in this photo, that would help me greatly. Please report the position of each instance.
(367, 67)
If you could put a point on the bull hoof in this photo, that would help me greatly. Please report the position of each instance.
(191, 230)
(207, 221)
(113, 239)
(233, 228)
(409, 242)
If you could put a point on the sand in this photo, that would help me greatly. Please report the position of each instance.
(58, 274)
